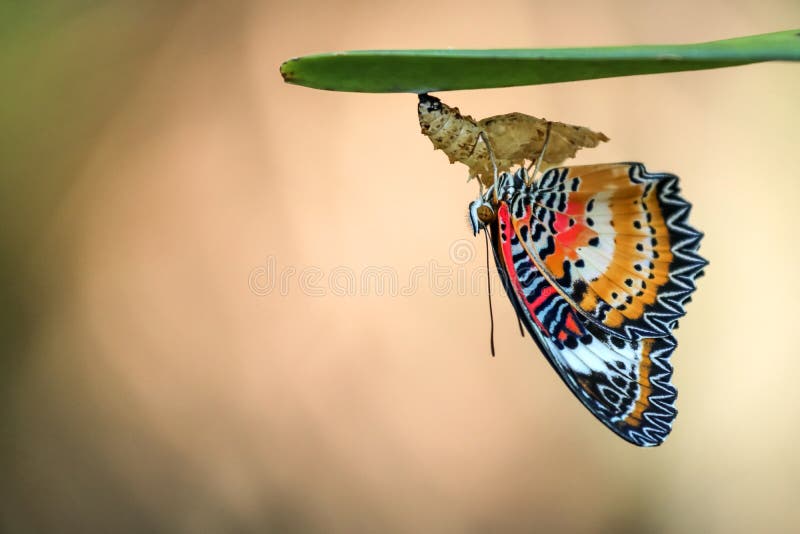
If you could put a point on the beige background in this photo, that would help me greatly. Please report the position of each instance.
(159, 165)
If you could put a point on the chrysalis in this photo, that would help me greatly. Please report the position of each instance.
(514, 138)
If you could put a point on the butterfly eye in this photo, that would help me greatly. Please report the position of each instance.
(486, 214)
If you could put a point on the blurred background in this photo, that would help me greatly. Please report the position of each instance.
(218, 299)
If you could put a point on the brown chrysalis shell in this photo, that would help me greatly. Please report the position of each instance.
(514, 137)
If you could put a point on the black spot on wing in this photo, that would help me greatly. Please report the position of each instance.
(549, 249)
(579, 290)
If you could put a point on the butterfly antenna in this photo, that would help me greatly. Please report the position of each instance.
(489, 287)
(532, 177)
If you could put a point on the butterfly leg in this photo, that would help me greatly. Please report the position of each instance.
(483, 137)
(481, 188)
(532, 177)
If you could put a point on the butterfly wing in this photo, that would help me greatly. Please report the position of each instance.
(614, 240)
(624, 383)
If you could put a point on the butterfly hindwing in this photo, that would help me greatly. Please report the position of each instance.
(625, 383)
(614, 240)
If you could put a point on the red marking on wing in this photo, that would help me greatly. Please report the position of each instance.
(570, 237)
(575, 208)
(546, 292)
(503, 218)
(572, 325)
(562, 222)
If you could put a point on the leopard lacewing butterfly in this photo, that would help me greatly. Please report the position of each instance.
(599, 262)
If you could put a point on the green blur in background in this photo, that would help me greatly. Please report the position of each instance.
(155, 167)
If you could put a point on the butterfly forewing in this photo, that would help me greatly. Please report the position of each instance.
(614, 241)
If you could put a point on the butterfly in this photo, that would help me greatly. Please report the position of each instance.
(599, 262)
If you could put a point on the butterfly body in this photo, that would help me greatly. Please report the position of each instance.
(598, 262)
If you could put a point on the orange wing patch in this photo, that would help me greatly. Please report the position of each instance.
(643, 400)
(639, 259)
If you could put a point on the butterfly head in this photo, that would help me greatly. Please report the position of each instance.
(481, 213)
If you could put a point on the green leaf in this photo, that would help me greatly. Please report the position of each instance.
(419, 71)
